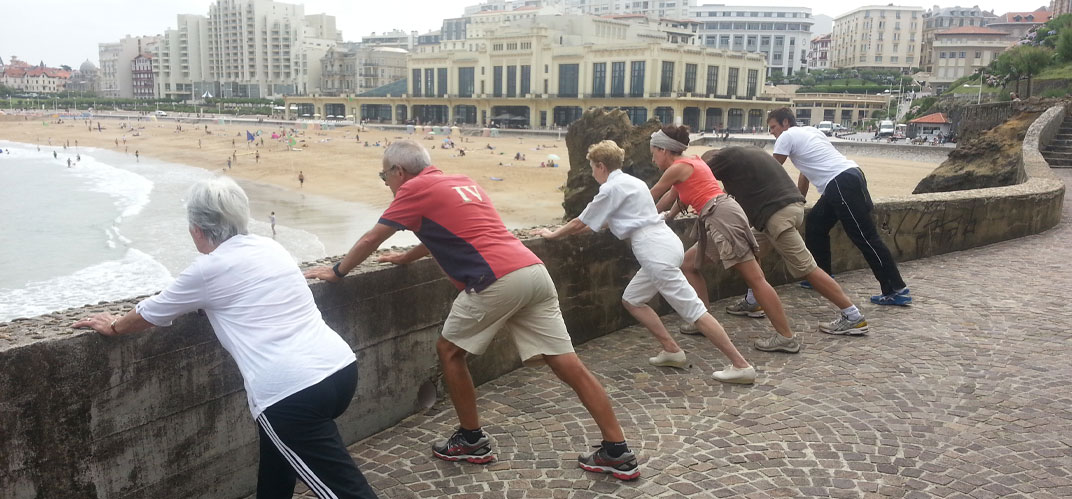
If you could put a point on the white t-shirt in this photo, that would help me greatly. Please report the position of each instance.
(624, 203)
(812, 153)
(263, 313)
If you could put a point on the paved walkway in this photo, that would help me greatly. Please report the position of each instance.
(966, 394)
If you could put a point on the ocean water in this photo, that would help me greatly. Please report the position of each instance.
(110, 227)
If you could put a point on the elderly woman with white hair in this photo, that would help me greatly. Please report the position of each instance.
(299, 375)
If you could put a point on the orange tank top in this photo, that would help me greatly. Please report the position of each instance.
(700, 187)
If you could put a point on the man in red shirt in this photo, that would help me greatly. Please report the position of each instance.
(502, 284)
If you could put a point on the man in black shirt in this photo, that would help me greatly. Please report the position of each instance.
(775, 209)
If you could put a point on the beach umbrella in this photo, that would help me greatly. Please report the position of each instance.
(553, 157)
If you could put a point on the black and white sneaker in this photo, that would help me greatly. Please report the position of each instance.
(623, 467)
(457, 448)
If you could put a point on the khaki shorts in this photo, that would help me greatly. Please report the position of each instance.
(782, 235)
(525, 302)
(729, 236)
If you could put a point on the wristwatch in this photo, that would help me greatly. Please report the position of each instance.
(335, 269)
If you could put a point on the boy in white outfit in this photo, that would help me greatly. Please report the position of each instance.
(624, 203)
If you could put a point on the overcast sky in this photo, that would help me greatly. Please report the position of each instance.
(68, 31)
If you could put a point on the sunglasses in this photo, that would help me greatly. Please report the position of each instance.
(383, 174)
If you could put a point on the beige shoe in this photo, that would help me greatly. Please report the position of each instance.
(667, 359)
(731, 374)
(689, 329)
(778, 343)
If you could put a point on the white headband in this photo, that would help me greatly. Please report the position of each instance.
(663, 141)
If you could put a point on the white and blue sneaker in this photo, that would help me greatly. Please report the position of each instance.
(901, 298)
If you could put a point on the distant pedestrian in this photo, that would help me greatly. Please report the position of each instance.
(272, 218)
(68, 162)
(136, 157)
(228, 162)
(301, 179)
(257, 156)
(55, 156)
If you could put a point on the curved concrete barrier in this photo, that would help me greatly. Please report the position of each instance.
(162, 414)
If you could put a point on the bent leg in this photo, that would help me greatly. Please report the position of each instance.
(765, 296)
(694, 275)
(714, 332)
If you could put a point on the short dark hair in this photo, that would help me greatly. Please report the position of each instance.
(781, 115)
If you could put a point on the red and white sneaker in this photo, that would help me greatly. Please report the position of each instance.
(623, 467)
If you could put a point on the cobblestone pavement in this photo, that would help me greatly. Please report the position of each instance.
(965, 394)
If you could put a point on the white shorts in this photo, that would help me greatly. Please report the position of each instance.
(660, 254)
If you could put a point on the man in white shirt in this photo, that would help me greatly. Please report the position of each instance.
(299, 375)
(625, 205)
(843, 198)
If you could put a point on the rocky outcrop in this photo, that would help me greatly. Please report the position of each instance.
(992, 159)
(597, 125)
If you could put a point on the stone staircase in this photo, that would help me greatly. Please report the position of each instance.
(1058, 152)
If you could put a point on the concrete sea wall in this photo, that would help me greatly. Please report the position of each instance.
(162, 414)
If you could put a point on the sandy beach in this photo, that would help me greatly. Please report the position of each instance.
(338, 166)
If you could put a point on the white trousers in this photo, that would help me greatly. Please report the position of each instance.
(660, 254)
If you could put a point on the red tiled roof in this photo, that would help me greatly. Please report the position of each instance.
(1041, 15)
(972, 30)
(932, 119)
(21, 72)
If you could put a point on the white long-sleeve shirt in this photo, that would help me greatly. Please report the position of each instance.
(263, 313)
(623, 203)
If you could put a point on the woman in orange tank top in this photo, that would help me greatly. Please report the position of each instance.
(723, 231)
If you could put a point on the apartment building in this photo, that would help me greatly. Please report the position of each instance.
(878, 37)
(544, 70)
(959, 52)
(939, 19)
(781, 34)
(353, 68)
(116, 75)
(1017, 24)
(819, 52)
(141, 71)
(180, 68)
(37, 79)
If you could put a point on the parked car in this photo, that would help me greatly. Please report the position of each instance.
(160, 113)
(827, 127)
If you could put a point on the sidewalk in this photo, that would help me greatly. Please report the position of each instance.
(965, 394)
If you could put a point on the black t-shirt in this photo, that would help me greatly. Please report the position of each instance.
(752, 176)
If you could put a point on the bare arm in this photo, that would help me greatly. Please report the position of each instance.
(357, 254)
(572, 227)
(668, 201)
(802, 184)
(677, 173)
(781, 158)
(113, 325)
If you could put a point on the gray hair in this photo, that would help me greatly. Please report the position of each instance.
(408, 155)
(219, 207)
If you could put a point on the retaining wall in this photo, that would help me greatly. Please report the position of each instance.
(162, 414)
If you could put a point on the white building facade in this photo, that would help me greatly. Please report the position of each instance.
(819, 52)
(781, 34)
(938, 19)
(959, 52)
(878, 37)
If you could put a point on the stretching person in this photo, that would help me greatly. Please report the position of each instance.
(843, 197)
(625, 205)
(503, 284)
(722, 228)
(775, 208)
(299, 375)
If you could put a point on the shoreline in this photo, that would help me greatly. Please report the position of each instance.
(337, 166)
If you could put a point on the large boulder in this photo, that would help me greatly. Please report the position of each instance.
(992, 159)
(597, 125)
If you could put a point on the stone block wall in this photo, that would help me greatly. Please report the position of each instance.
(162, 414)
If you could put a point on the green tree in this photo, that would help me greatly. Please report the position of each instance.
(1064, 46)
(1024, 61)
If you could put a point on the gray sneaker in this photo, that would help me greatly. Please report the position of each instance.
(778, 343)
(742, 307)
(842, 325)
